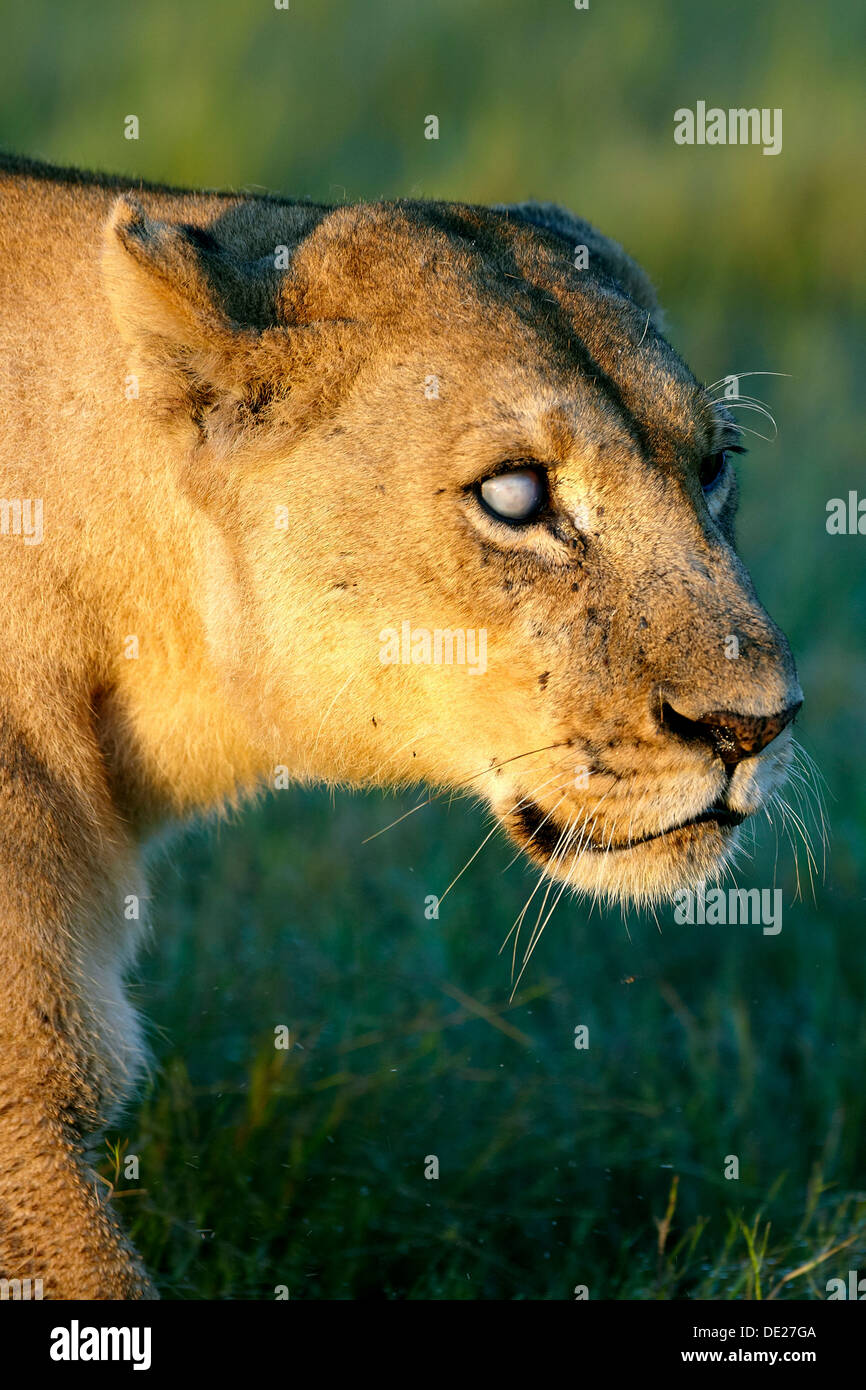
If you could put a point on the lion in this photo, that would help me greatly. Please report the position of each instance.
(245, 442)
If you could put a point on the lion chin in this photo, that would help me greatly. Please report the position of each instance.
(642, 869)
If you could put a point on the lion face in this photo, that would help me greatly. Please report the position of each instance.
(507, 564)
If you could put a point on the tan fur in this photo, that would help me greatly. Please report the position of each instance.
(259, 647)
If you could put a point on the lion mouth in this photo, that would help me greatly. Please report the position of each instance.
(534, 825)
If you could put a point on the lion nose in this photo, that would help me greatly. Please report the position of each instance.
(732, 736)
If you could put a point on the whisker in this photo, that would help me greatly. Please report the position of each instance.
(547, 872)
(758, 408)
(562, 846)
(519, 854)
(740, 375)
(497, 826)
(435, 796)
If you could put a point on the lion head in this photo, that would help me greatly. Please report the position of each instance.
(464, 517)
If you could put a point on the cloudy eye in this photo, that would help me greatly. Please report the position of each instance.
(516, 496)
(712, 469)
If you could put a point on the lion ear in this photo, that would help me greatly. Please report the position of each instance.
(209, 337)
(191, 314)
(162, 279)
(608, 254)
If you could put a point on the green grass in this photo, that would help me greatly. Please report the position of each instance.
(305, 1168)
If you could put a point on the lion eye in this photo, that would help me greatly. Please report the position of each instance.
(712, 468)
(516, 496)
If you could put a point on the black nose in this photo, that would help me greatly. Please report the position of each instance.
(731, 736)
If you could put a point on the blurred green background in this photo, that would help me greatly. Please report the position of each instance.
(305, 1168)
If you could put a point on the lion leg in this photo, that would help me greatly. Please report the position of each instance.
(54, 1224)
(69, 1041)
